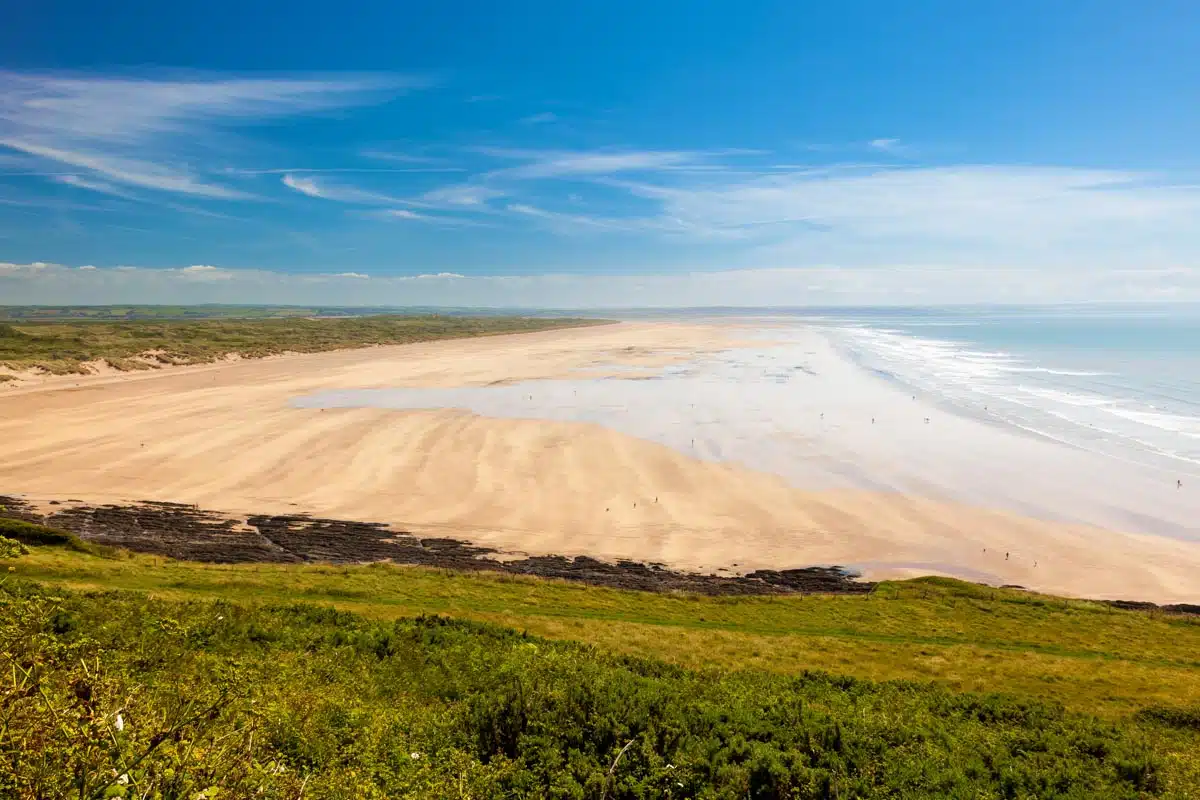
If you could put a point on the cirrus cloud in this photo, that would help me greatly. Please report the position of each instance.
(138, 131)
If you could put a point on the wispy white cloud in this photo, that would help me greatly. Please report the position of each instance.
(93, 186)
(404, 214)
(336, 170)
(563, 163)
(141, 139)
(196, 212)
(453, 199)
(853, 214)
(544, 118)
(890, 146)
(433, 162)
(30, 203)
(336, 192)
(131, 109)
(136, 131)
(993, 213)
(456, 197)
(472, 195)
(126, 170)
(571, 223)
(306, 186)
(664, 225)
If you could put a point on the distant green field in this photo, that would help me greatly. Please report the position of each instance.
(64, 347)
(147, 312)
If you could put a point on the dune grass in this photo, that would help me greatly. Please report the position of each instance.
(167, 312)
(65, 347)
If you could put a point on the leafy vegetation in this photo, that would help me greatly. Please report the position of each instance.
(65, 347)
(28, 533)
(11, 548)
(1088, 656)
(423, 683)
(204, 311)
(289, 698)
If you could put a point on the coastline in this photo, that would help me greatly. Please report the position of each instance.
(187, 533)
(834, 491)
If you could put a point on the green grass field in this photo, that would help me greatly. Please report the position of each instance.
(964, 690)
(151, 312)
(96, 313)
(64, 347)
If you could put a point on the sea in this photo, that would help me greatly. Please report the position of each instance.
(1120, 381)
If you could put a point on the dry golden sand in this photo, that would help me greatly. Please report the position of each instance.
(224, 437)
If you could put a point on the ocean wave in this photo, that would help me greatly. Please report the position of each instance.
(1176, 423)
(1115, 416)
(1072, 373)
(1069, 398)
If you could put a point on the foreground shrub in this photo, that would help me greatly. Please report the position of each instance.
(1182, 718)
(117, 695)
(11, 548)
(28, 533)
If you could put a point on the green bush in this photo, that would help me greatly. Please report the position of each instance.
(34, 535)
(170, 699)
(11, 548)
(1182, 718)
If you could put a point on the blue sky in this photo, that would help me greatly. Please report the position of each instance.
(549, 153)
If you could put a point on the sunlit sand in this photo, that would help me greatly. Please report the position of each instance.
(701, 446)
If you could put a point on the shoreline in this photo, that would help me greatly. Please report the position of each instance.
(977, 413)
(790, 404)
(186, 533)
(638, 442)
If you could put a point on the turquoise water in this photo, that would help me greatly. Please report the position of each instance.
(1123, 382)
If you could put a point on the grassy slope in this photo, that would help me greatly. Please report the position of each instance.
(62, 347)
(296, 701)
(1088, 656)
(1060, 663)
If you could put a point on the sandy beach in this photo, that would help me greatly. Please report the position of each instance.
(702, 446)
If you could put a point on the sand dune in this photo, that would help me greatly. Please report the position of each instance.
(227, 437)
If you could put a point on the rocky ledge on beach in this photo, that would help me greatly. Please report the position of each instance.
(188, 533)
